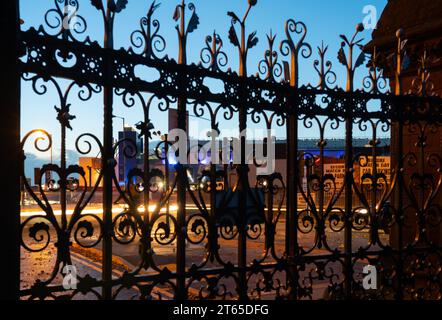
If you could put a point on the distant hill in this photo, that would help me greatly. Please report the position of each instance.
(34, 161)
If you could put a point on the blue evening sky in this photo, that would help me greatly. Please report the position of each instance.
(325, 20)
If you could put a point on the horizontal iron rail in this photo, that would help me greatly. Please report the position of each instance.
(336, 103)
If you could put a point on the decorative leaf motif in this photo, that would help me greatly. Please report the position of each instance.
(341, 57)
(233, 37)
(125, 226)
(36, 228)
(343, 37)
(358, 43)
(177, 13)
(98, 4)
(360, 60)
(193, 23)
(156, 173)
(64, 117)
(165, 227)
(233, 16)
(406, 62)
(252, 40)
(75, 168)
(152, 8)
(403, 44)
(197, 224)
(111, 5)
(86, 225)
(145, 129)
(120, 6)
(392, 59)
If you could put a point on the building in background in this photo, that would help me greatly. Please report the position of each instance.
(333, 159)
(91, 167)
(128, 158)
(173, 120)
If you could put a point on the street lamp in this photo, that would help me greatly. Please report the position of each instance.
(124, 158)
(42, 134)
(50, 135)
(122, 118)
(200, 118)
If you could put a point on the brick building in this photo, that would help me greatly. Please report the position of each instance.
(421, 24)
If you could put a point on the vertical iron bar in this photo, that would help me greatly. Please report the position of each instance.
(293, 158)
(181, 214)
(270, 232)
(167, 173)
(399, 206)
(212, 226)
(145, 241)
(243, 169)
(181, 293)
(348, 201)
(374, 232)
(292, 199)
(322, 190)
(399, 148)
(349, 169)
(107, 162)
(10, 146)
(242, 209)
(63, 179)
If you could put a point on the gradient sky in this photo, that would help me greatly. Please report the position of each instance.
(325, 20)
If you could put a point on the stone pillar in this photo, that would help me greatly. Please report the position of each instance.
(10, 147)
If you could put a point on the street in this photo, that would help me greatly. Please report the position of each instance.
(127, 258)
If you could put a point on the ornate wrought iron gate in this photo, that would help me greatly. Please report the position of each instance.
(379, 206)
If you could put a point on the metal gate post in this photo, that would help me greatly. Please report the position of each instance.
(181, 291)
(348, 202)
(398, 148)
(243, 185)
(10, 146)
(292, 199)
(351, 65)
(107, 162)
(293, 159)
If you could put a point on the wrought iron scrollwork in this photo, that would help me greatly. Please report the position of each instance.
(212, 55)
(148, 38)
(324, 69)
(302, 232)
